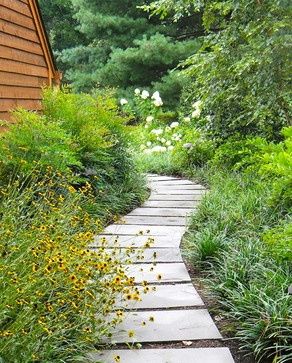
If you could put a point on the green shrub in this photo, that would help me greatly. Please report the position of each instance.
(194, 150)
(279, 242)
(34, 143)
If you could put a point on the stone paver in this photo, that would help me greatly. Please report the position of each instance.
(141, 255)
(171, 309)
(171, 191)
(177, 182)
(169, 326)
(166, 296)
(176, 197)
(187, 355)
(166, 188)
(170, 204)
(155, 221)
(161, 212)
(126, 229)
(137, 241)
(162, 272)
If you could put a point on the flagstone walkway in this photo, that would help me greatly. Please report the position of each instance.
(173, 311)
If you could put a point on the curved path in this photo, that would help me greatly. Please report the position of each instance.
(172, 315)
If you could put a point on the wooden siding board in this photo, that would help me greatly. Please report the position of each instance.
(4, 116)
(18, 31)
(11, 104)
(16, 5)
(16, 18)
(11, 92)
(12, 41)
(14, 79)
(21, 56)
(22, 68)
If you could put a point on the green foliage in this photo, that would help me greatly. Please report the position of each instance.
(238, 153)
(276, 164)
(242, 71)
(34, 143)
(279, 242)
(233, 231)
(194, 150)
(118, 45)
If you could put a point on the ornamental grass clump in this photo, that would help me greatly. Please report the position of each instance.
(56, 293)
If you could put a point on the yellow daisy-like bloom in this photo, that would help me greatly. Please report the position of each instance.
(131, 333)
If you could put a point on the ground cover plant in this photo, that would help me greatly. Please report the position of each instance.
(56, 293)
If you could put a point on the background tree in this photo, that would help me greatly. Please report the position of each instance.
(116, 44)
(241, 72)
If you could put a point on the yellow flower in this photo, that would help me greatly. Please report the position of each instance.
(117, 358)
(131, 333)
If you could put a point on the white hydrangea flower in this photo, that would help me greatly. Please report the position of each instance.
(163, 140)
(174, 125)
(168, 143)
(123, 101)
(148, 151)
(149, 143)
(167, 128)
(158, 102)
(137, 91)
(145, 94)
(198, 104)
(146, 126)
(149, 119)
(157, 131)
(156, 95)
(187, 119)
(170, 148)
(196, 113)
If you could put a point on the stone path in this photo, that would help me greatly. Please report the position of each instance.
(172, 312)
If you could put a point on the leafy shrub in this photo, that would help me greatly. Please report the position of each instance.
(279, 242)
(276, 165)
(194, 150)
(34, 143)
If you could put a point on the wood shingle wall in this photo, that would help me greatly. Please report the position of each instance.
(26, 61)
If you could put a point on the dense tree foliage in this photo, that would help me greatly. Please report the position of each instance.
(242, 70)
(117, 44)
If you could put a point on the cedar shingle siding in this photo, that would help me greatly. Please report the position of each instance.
(26, 61)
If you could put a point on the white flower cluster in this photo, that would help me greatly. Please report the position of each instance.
(123, 101)
(157, 101)
(197, 109)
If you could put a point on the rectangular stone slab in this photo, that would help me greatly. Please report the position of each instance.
(168, 326)
(169, 272)
(155, 221)
(161, 212)
(151, 255)
(165, 296)
(177, 188)
(176, 197)
(170, 204)
(176, 191)
(187, 355)
(172, 182)
(137, 241)
(122, 229)
(161, 178)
